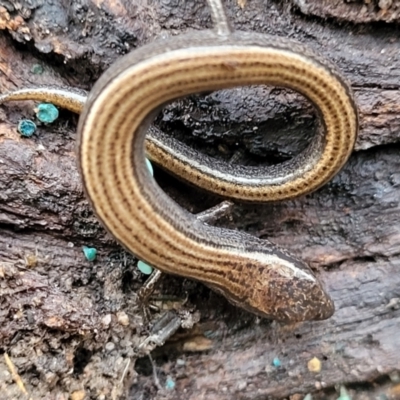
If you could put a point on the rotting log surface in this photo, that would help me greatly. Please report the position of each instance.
(63, 320)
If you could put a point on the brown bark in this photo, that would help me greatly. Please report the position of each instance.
(62, 318)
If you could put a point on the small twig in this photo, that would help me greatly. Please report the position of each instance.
(156, 380)
(15, 375)
(148, 288)
(214, 213)
(164, 328)
(125, 371)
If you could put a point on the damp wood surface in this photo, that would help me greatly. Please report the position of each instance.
(71, 327)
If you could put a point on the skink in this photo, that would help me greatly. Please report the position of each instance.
(252, 273)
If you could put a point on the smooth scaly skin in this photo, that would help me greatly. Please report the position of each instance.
(251, 273)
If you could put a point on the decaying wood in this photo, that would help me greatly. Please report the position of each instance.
(72, 327)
